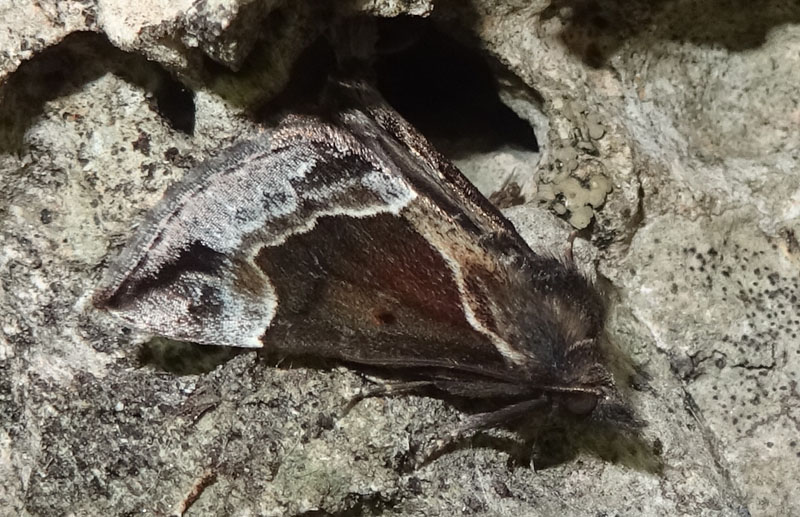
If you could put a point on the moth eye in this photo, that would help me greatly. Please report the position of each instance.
(384, 318)
(580, 403)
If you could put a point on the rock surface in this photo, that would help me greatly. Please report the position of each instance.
(669, 130)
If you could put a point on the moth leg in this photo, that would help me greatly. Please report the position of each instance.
(386, 390)
(481, 421)
(570, 245)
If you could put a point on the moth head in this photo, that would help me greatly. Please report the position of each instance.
(590, 388)
(601, 405)
(591, 391)
(568, 350)
(580, 403)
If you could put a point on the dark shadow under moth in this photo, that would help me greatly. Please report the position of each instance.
(345, 235)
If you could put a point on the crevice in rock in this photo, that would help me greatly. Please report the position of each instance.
(307, 78)
(173, 101)
(449, 91)
(445, 89)
(66, 68)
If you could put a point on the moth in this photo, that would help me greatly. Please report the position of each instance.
(346, 235)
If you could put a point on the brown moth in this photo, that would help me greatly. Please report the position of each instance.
(347, 236)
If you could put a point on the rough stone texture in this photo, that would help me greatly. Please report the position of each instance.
(735, 348)
(673, 124)
(33, 26)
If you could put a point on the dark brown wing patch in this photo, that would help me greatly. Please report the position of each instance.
(378, 287)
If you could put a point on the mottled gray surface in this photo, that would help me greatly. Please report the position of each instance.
(678, 119)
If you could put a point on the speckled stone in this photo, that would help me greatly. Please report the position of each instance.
(668, 131)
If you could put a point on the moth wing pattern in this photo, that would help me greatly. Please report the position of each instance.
(188, 273)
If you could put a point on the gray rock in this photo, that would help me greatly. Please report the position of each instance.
(669, 130)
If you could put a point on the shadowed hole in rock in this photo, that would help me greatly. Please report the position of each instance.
(449, 91)
(445, 89)
(173, 101)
